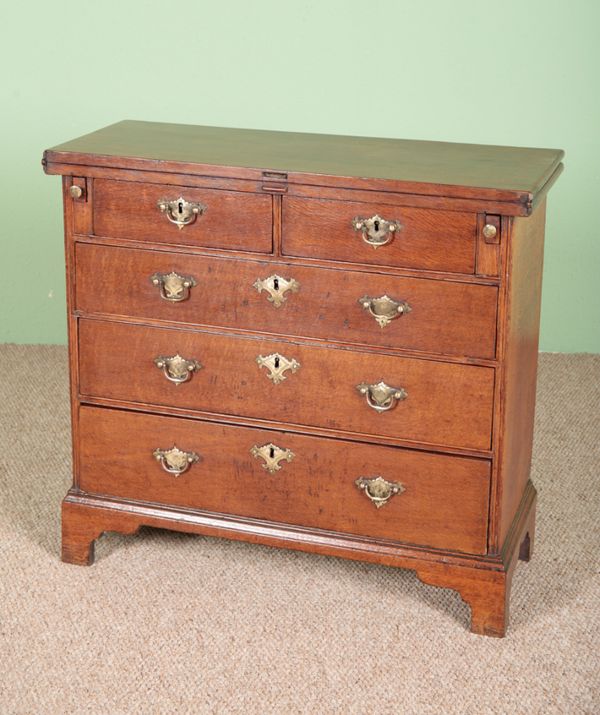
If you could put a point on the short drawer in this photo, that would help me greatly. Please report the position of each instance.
(432, 500)
(226, 219)
(442, 317)
(438, 403)
(423, 238)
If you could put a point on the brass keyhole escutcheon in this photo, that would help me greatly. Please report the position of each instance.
(272, 455)
(276, 288)
(277, 365)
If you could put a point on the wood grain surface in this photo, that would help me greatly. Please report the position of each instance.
(444, 504)
(232, 220)
(429, 240)
(513, 175)
(519, 367)
(447, 404)
(115, 281)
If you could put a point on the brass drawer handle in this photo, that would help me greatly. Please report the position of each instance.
(276, 287)
(179, 211)
(272, 455)
(376, 231)
(175, 461)
(277, 364)
(384, 309)
(176, 368)
(380, 396)
(378, 489)
(172, 286)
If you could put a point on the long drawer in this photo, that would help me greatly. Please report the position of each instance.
(428, 401)
(443, 317)
(420, 498)
(150, 212)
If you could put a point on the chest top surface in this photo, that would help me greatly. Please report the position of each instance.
(510, 174)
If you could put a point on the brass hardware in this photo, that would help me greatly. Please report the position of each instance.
(173, 287)
(272, 454)
(181, 212)
(381, 397)
(76, 191)
(489, 230)
(384, 309)
(376, 231)
(274, 188)
(276, 364)
(277, 175)
(276, 287)
(174, 460)
(177, 369)
(378, 489)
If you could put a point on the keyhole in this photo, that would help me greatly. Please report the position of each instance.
(180, 207)
(276, 283)
(276, 362)
(376, 225)
(272, 452)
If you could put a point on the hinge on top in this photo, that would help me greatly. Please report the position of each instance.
(274, 182)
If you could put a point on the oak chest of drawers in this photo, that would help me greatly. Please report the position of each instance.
(318, 342)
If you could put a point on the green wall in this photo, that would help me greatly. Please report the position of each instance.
(511, 72)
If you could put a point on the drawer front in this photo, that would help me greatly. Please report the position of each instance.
(426, 239)
(230, 219)
(445, 404)
(441, 500)
(441, 317)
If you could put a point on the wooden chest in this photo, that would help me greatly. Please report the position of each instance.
(317, 342)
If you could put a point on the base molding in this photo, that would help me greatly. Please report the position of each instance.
(483, 582)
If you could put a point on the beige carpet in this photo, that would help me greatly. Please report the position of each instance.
(168, 623)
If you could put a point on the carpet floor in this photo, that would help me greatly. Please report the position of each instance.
(171, 623)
